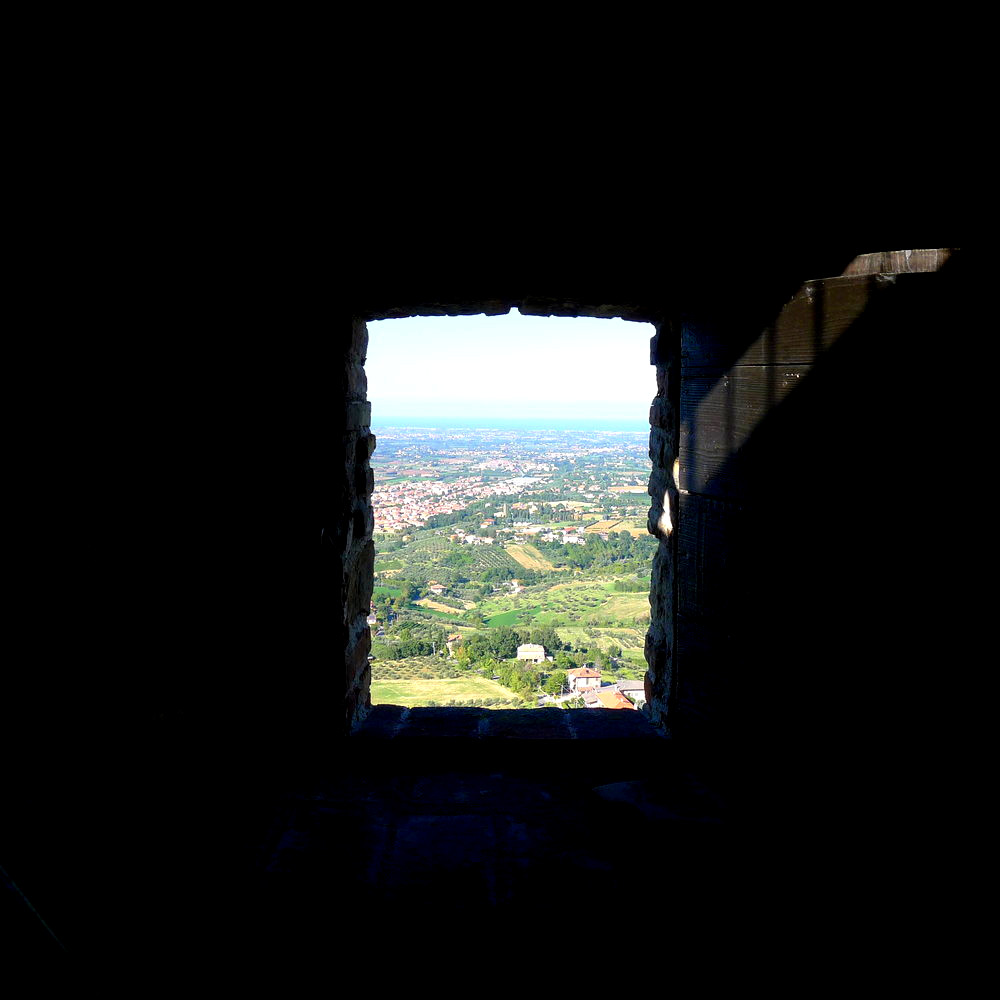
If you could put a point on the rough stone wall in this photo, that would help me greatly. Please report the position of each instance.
(661, 676)
(348, 553)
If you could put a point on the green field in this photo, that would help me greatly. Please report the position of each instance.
(576, 602)
(635, 658)
(414, 693)
(518, 616)
(631, 640)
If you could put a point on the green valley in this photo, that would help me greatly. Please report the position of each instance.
(542, 545)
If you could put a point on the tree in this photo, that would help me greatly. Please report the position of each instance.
(563, 661)
(503, 642)
(548, 637)
(556, 682)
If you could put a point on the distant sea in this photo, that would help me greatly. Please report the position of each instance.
(514, 423)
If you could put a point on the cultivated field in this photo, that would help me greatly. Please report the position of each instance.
(632, 525)
(602, 526)
(582, 602)
(428, 602)
(414, 693)
(629, 639)
(529, 557)
(516, 616)
(429, 549)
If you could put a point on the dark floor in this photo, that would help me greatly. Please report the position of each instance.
(469, 815)
(438, 825)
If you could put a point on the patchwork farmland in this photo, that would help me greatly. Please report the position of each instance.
(540, 538)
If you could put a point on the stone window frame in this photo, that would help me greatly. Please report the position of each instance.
(663, 450)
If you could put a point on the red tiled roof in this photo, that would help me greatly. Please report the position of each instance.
(614, 699)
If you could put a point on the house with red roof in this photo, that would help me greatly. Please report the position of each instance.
(584, 679)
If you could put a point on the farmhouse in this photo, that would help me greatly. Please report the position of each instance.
(584, 679)
(532, 652)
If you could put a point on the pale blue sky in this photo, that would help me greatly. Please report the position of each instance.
(509, 366)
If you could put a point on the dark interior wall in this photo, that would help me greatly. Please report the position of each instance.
(780, 401)
(812, 544)
(842, 610)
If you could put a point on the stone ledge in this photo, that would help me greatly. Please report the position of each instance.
(584, 746)
(395, 722)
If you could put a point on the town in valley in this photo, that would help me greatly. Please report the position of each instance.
(512, 567)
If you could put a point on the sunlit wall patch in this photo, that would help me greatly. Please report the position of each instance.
(665, 525)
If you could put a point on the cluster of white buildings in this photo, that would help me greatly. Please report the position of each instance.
(398, 506)
(467, 538)
(545, 533)
(403, 505)
(510, 465)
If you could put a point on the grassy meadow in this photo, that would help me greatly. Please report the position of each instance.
(442, 690)
(576, 602)
(420, 680)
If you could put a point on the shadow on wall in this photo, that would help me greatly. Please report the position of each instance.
(809, 520)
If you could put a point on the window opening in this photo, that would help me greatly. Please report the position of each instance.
(513, 560)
